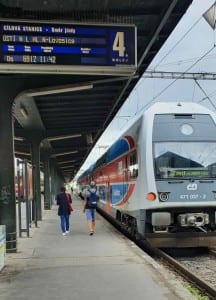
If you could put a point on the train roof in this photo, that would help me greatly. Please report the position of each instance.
(122, 145)
(177, 107)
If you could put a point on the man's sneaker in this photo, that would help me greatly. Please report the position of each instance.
(63, 233)
(67, 231)
(91, 233)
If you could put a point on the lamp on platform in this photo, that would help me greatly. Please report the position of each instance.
(23, 111)
(64, 153)
(62, 137)
(59, 89)
(65, 162)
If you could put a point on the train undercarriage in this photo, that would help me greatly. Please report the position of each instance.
(176, 228)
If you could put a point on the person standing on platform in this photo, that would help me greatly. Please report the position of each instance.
(89, 207)
(71, 193)
(81, 195)
(64, 202)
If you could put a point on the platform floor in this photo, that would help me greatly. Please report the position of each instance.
(82, 267)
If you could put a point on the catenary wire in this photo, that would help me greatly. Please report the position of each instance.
(207, 97)
(169, 85)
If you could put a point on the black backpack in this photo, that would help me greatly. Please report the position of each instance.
(92, 198)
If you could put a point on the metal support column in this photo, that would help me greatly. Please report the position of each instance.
(54, 185)
(7, 190)
(52, 178)
(47, 184)
(36, 205)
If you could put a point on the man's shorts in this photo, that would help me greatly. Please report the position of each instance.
(90, 214)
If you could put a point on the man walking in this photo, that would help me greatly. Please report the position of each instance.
(89, 207)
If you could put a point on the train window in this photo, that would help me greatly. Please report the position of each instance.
(185, 160)
(133, 166)
(102, 192)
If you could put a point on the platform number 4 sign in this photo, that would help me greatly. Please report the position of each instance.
(118, 44)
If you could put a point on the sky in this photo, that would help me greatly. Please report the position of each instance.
(191, 48)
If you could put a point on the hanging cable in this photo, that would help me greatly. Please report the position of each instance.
(210, 95)
(169, 85)
(183, 61)
(207, 97)
(163, 58)
(193, 93)
(178, 42)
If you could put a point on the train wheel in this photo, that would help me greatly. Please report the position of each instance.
(118, 216)
(133, 228)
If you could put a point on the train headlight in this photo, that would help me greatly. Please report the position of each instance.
(206, 219)
(164, 196)
(182, 220)
(151, 196)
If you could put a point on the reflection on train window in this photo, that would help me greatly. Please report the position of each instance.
(133, 166)
(185, 160)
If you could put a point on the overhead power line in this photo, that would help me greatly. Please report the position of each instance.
(207, 97)
(178, 42)
(179, 75)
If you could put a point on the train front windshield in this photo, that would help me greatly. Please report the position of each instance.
(189, 160)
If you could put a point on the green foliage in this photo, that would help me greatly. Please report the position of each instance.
(195, 292)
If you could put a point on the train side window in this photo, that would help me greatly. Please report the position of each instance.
(133, 167)
(102, 192)
(213, 170)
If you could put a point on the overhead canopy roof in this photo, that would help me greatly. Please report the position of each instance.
(82, 114)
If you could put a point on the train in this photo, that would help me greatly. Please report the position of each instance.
(158, 180)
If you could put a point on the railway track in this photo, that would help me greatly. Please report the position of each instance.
(204, 286)
(195, 278)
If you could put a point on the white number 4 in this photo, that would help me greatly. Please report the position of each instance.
(118, 44)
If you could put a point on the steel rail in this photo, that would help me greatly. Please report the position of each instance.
(186, 273)
(200, 284)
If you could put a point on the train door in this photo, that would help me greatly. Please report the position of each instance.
(125, 176)
(108, 199)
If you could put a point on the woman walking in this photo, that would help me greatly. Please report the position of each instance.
(63, 201)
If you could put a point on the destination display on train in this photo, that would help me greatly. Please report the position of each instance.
(188, 173)
(55, 44)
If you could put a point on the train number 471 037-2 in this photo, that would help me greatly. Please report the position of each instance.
(193, 197)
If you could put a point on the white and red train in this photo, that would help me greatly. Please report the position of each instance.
(159, 178)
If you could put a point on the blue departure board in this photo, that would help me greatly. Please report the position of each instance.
(59, 47)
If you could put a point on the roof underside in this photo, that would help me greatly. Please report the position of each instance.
(85, 114)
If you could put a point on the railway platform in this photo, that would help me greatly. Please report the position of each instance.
(77, 266)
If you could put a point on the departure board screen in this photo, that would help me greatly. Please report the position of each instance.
(54, 44)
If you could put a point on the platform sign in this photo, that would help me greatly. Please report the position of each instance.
(2, 246)
(67, 48)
